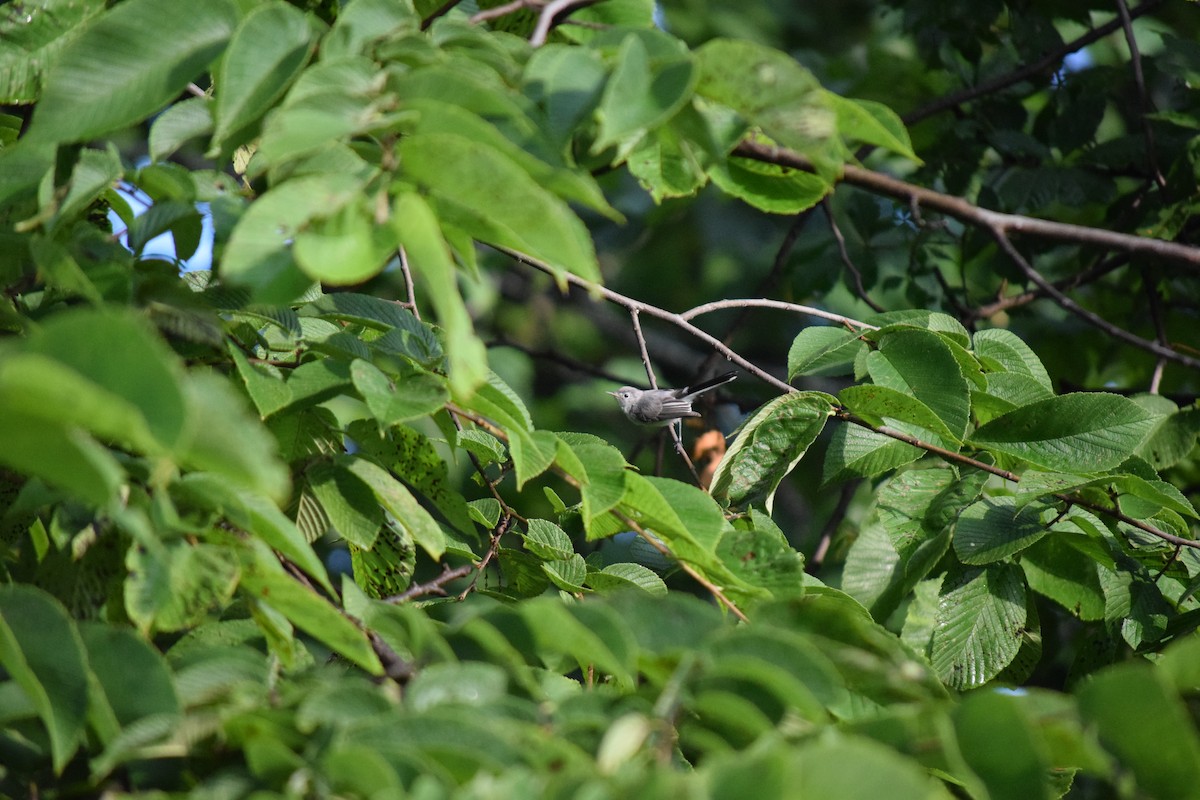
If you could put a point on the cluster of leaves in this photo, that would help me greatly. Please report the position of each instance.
(186, 455)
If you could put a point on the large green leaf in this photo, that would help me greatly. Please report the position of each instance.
(920, 363)
(174, 586)
(267, 51)
(768, 446)
(132, 674)
(1081, 432)
(393, 399)
(995, 528)
(429, 256)
(770, 89)
(488, 195)
(872, 123)
(33, 35)
(313, 614)
(398, 501)
(767, 187)
(119, 354)
(857, 452)
(644, 90)
(258, 254)
(129, 63)
(1003, 746)
(823, 350)
(980, 621)
(881, 405)
(41, 650)
(1167, 763)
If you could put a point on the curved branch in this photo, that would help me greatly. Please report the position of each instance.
(629, 303)
(969, 213)
(718, 305)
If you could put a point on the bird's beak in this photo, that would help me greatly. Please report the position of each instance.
(614, 394)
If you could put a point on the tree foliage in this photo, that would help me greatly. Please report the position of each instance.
(326, 498)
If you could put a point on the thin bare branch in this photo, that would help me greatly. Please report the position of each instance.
(1139, 81)
(435, 586)
(965, 211)
(654, 311)
(719, 305)
(411, 305)
(859, 289)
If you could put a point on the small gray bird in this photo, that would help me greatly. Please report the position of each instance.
(663, 406)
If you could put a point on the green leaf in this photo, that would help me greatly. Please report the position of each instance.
(264, 384)
(486, 194)
(42, 652)
(259, 255)
(519, 141)
(256, 515)
(920, 363)
(1174, 434)
(532, 453)
(995, 528)
(133, 676)
(1165, 764)
(768, 446)
(223, 438)
(119, 354)
(313, 614)
(127, 64)
(567, 574)
(421, 236)
(643, 91)
(348, 502)
(409, 514)
(1055, 569)
(616, 577)
(183, 121)
(769, 187)
(546, 540)
(823, 350)
(34, 36)
(666, 164)
(603, 486)
(871, 123)
(413, 457)
(174, 586)
(879, 404)
(980, 621)
(63, 456)
(265, 54)
(567, 82)
(1000, 349)
(398, 398)
(345, 248)
(857, 452)
(1003, 746)
(1081, 432)
(770, 89)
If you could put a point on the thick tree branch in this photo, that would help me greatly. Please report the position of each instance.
(965, 211)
